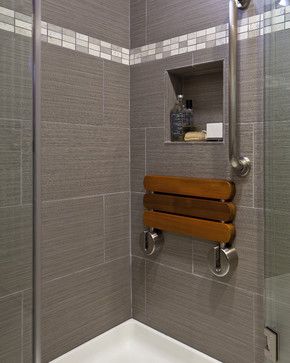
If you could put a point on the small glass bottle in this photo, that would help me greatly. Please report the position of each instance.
(189, 116)
(178, 120)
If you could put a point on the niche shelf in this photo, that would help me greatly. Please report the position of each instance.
(204, 84)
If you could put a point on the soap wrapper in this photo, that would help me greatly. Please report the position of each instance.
(195, 136)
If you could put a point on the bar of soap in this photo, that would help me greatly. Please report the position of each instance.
(195, 136)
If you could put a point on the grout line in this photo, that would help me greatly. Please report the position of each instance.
(22, 326)
(104, 227)
(145, 152)
(253, 165)
(254, 328)
(19, 292)
(192, 256)
(197, 275)
(103, 94)
(85, 125)
(145, 287)
(85, 269)
(21, 164)
(146, 21)
(85, 197)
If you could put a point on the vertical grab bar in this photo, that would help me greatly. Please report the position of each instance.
(240, 164)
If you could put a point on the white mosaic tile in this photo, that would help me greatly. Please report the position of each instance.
(93, 52)
(7, 12)
(54, 41)
(53, 34)
(210, 30)
(278, 19)
(7, 27)
(68, 45)
(23, 31)
(23, 24)
(200, 46)
(277, 27)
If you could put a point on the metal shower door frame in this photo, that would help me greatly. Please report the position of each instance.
(36, 89)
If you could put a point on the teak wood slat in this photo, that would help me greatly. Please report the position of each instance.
(200, 188)
(201, 208)
(212, 231)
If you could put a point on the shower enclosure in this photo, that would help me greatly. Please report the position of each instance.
(17, 69)
(104, 86)
(277, 177)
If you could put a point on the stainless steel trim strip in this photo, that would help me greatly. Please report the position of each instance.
(36, 181)
(240, 164)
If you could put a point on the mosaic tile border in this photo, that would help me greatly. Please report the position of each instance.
(251, 27)
(18, 23)
(254, 26)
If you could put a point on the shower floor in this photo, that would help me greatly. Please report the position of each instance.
(133, 342)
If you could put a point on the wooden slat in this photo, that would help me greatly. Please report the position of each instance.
(201, 208)
(199, 228)
(201, 188)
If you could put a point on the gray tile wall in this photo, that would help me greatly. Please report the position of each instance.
(15, 202)
(91, 182)
(156, 20)
(86, 196)
(106, 20)
(277, 69)
(174, 291)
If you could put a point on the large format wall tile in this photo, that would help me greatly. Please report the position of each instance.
(154, 21)
(23, 6)
(249, 274)
(83, 160)
(27, 344)
(277, 234)
(277, 69)
(72, 86)
(9, 178)
(198, 311)
(199, 160)
(10, 329)
(178, 308)
(15, 76)
(173, 18)
(106, 20)
(78, 307)
(277, 174)
(138, 288)
(116, 95)
(148, 90)
(16, 249)
(278, 314)
(137, 161)
(137, 225)
(138, 22)
(117, 226)
(27, 162)
(73, 236)
(250, 80)
(259, 325)
(259, 164)
(10, 164)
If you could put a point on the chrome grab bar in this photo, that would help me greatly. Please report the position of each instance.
(240, 164)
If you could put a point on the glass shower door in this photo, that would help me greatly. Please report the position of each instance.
(16, 214)
(277, 178)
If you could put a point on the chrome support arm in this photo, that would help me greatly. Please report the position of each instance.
(240, 164)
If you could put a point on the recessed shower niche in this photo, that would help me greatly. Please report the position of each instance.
(203, 87)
